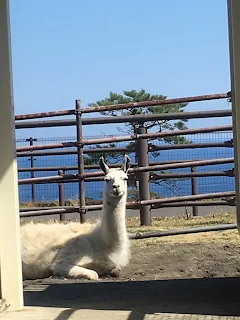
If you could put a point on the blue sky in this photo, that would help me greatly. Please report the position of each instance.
(67, 50)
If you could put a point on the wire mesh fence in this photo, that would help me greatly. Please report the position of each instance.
(182, 187)
(160, 188)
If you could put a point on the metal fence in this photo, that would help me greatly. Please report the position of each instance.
(180, 175)
(162, 188)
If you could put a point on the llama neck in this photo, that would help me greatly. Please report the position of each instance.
(113, 222)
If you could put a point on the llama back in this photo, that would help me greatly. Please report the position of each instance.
(40, 243)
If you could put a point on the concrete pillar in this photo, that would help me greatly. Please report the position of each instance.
(234, 47)
(10, 259)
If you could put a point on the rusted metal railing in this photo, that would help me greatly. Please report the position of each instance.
(140, 118)
(200, 203)
(61, 196)
(81, 185)
(137, 136)
(48, 212)
(143, 178)
(164, 134)
(157, 102)
(31, 140)
(56, 179)
(96, 166)
(194, 187)
(45, 114)
(151, 148)
(176, 232)
(143, 170)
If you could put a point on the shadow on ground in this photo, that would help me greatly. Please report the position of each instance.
(218, 296)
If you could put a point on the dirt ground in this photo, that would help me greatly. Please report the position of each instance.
(201, 255)
(194, 276)
(178, 261)
(175, 261)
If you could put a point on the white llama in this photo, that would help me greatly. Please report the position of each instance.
(82, 250)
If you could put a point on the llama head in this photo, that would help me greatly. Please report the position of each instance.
(115, 179)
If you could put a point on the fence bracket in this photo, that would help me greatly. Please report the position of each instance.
(82, 211)
(231, 201)
(230, 173)
(229, 143)
(152, 147)
(229, 95)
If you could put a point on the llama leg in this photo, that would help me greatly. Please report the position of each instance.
(76, 272)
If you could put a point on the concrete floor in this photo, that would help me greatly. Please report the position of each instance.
(140, 300)
(71, 314)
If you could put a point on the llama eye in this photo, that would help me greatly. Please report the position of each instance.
(107, 179)
(125, 179)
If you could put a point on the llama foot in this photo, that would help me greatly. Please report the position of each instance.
(115, 272)
(92, 275)
(79, 272)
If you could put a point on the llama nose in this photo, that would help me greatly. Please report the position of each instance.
(115, 186)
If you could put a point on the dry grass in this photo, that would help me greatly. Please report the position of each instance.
(32, 204)
(50, 204)
(219, 237)
(167, 223)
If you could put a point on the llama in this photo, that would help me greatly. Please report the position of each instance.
(82, 250)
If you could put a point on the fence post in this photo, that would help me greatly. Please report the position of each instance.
(143, 177)
(194, 191)
(80, 160)
(61, 196)
(31, 140)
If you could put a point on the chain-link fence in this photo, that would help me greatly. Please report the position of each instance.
(160, 188)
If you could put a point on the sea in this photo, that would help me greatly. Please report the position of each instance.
(173, 187)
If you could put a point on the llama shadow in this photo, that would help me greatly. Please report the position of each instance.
(191, 296)
(65, 314)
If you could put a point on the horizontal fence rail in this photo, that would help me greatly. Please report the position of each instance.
(131, 105)
(169, 166)
(225, 144)
(228, 202)
(70, 152)
(48, 212)
(164, 134)
(93, 166)
(48, 146)
(185, 198)
(151, 148)
(125, 106)
(171, 200)
(56, 179)
(176, 232)
(140, 118)
(45, 114)
(157, 176)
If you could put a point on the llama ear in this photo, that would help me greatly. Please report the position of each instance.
(103, 166)
(126, 164)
